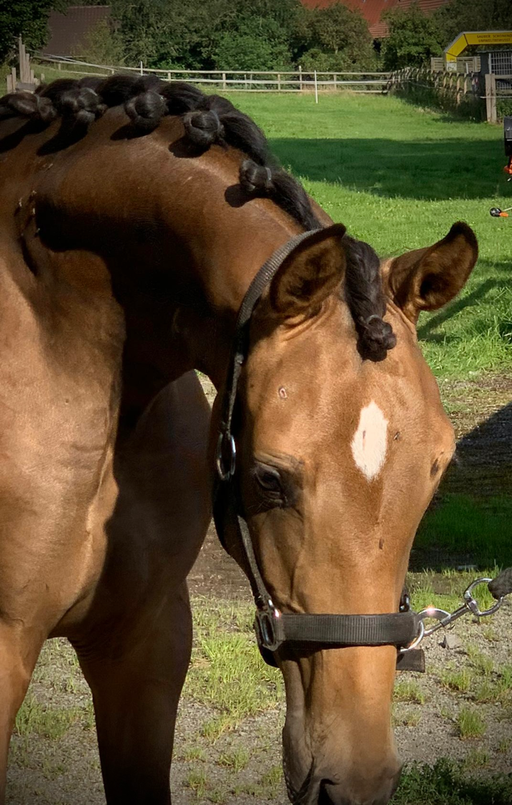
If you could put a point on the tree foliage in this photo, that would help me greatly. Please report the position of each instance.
(231, 34)
(477, 15)
(102, 45)
(339, 39)
(240, 34)
(28, 18)
(254, 34)
(413, 38)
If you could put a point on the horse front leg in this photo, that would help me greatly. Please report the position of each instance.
(136, 684)
(18, 656)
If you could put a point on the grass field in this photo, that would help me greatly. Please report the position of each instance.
(398, 177)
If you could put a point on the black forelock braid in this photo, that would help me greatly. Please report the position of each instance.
(365, 298)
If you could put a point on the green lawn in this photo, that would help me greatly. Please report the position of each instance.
(399, 176)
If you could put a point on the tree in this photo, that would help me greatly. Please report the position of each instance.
(231, 34)
(413, 38)
(102, 45)
(241, 51)
(334, 38)
(169, 33)
(478, 15)
(257, 36)
(28, 18)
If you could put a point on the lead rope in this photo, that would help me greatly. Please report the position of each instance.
(502, 584)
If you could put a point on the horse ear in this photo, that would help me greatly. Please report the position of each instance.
(426, 279)
(309, 274)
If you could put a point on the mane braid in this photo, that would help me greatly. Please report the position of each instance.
(208, 119)
(365, 298)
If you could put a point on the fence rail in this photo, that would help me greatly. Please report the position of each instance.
(240, 80)
(451, 90)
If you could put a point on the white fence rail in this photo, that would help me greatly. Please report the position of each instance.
(240, 80)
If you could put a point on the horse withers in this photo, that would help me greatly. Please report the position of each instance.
(134, 216)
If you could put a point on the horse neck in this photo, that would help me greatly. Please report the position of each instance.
(180, 240)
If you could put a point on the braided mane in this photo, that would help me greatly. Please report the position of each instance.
(208, 119)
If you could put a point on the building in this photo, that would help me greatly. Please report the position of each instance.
(70, 30)
(372, 10)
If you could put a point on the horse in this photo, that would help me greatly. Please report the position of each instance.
(136, 217)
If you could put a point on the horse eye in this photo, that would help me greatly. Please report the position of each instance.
(268, 479)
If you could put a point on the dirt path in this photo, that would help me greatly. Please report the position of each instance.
(481, 412)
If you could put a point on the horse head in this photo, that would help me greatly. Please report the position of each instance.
(341, 441)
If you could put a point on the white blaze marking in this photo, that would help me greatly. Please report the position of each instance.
(369, 444)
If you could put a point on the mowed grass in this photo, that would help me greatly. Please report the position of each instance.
(399, 176)
(477, 528)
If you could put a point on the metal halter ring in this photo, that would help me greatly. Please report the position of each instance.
(417, 640)
(226, 454)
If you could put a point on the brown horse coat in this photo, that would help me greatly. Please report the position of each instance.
(124, 260)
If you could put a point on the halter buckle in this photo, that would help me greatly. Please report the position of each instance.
(225, 458)
(266, 626)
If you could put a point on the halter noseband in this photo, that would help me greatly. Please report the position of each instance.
(274, 628)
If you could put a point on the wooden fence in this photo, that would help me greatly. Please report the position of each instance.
(25, 78)
(241, 80)
(452, 87)
(465, 92)
(497, 88)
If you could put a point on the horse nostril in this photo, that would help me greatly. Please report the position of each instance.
(329, 793)
(323, 795)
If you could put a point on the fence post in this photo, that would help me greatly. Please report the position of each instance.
(223, 80)
(279, 82)
(335, 76)
(316, 89)
(490, 98)
(300, 78)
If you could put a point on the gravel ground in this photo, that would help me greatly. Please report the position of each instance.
(243, 766)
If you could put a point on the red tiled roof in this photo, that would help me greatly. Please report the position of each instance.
(68, 31)
(373, 9)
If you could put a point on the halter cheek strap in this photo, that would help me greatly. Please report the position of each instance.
(302, 631)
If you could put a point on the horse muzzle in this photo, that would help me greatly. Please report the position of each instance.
(367, 790)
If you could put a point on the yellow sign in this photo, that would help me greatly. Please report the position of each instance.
(463, 40)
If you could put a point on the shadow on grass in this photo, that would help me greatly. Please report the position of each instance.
(470, 520)
(417, 169)
(476, 296)
(446, 784)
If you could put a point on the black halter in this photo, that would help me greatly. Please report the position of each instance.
(273, 628)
